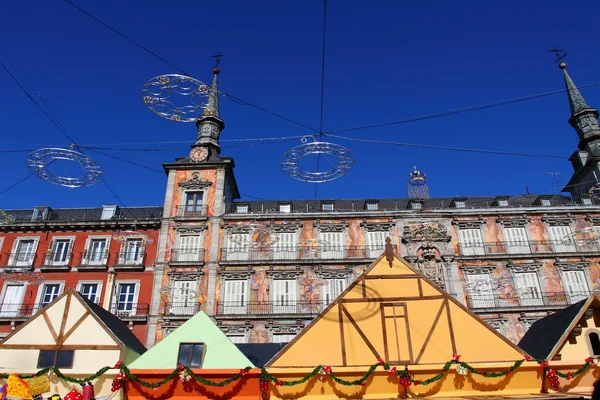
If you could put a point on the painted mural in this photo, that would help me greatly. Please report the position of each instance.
(205, 175)
(259, 291)
(259, 333)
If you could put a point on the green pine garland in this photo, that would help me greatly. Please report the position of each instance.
(321, 369)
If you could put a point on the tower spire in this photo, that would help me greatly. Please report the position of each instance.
(576, 100)
(212, 105)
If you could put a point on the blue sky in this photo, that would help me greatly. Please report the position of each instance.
(385, 61)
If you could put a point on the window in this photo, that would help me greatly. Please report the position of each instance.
(372, 206)
(327, 207)
(480, 290)
(545, 202)
(241, 209)
(575, 284)
(11, 301)
(24, 252)
(191, 354)
(237, 338)
(108, 211)
(237, 247)
(416, 205)
(286, 247)
(193, 202)
(376, 243)
(96, 253)
(558, 234)
(40, 213)
(395, 323)
(528, 289)
(285, 296)
(90, 291)
(502, 203)
(471, 242)
(285, 208)
(283, 338)
(50, 291)
(57, 358)
(235, 293)
(594, 341)
(133, 251)
(126, 298)
(60, 253)
(586, 202)
(189, 248)
(184, 298)
(516, 240)
(332, 289)
(332, 244)
(459, 204)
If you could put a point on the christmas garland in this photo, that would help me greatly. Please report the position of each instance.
(406, 379)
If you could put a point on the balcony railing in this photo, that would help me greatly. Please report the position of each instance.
(92, 258)
(9, 310)
(191, 211)
(184, 309)
(131, 257)
(187, 256)
(524, 247)
(129, 310)
(268, 308)
(292, 253)
(551, 299)
(20, 259)
(57, 260)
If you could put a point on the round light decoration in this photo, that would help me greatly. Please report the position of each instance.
(179, 98)
(39, 160)
(582, 236)
(6, 219)
(594, 192)
(254, 235)
(122, 236)
(290, 160)
(31, 278)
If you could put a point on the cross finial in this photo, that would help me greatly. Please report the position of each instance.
(217, 58)
(558, 52)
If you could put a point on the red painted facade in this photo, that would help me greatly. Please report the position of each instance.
(81, 254)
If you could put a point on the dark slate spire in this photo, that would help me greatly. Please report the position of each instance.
(576, 100)
(210, 123)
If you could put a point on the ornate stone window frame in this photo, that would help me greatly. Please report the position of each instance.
(498, 324)
(469, 223)
(442, 237)
(592, 220)
(287, 227)
(583, 266)
(276, 328)
(558, 220)
(513, 221)
(243, 328)
(535, 267)
(378, 226)
(330, 273)
(286, 273)
(236, 274)
(194, 184)
(331, 227)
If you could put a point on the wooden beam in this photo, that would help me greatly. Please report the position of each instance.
(381, 299)
(74, 327)
(392, 277)
(342, 338)
(50, 327)
(430, 334)
(66, 347)
(452, 339)
(360, 332)
(63, 322)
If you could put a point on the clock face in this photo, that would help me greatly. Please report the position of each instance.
(199, 154)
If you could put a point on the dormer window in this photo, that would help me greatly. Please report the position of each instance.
(108, 211)
(241, 208)
(372, 206)
(327, 207)
(416, 205)
(285, 208)
(586, 202)
(502, 203)
(545, 202)
(40, 213)
(459, 204)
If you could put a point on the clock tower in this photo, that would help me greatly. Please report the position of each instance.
(209, 126)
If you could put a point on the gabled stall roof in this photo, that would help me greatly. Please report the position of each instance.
(395, 313)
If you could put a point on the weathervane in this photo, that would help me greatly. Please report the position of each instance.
(559, 55)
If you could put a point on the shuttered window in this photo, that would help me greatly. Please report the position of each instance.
(286, 247)
(376, 243)
(528, 289)
(480, 288)
(235, 296)
(237, 247)
(575, 284)
(516, 240)
(333, 245)
(284, 294)
(332, 289)
(283, 338)
(471, 242)
(189, 248)
(183, 298)
(558, 236)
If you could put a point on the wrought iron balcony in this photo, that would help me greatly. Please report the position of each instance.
(19, 259)
(196, 211)
(10, 310)
(93, 258)
(270, 307)
(299, 253)
(183, 309)
(525, 300)
(187, 256)
(526, 247)
(130, 310)
(131, 257)
(56, 261)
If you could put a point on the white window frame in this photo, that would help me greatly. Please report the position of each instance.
(575, 296)
(285, 208)
(50, 255)
(331, 282)
(12, 311)
(471, 246)
(557, 243)
(460, 204)
(503, 203)
(485, 299)
(183, 200)
(337, 250)
(12, 262)
(123, 253)
(284, 303)
(116, 295)
(372, 206)
(230, 308)
(99, 292)
(236, 251)
(242, 208)
(185, 306)
(545, 202)
(283, 250)
(526, 296)
(42, 289)
(328, 207)
(375, 250)
(85, 259)
(521, 246)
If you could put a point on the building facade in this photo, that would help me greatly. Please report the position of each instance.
(264, 269)
(106, 254)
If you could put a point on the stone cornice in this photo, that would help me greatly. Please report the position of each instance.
(571, 265)
(378, 226)
(558, 220)
(235, 273)
(484, 269)
(516, 268)
(331, 227)
(469, 223)
(330, 273)
(513, 222)
(284, 273)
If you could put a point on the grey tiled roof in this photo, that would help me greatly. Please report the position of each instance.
(90, 214)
